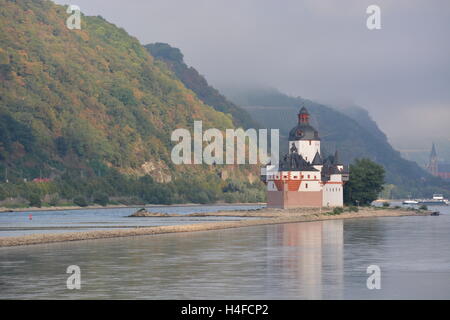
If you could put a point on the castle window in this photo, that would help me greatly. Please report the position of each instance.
(309, 176)
(306, 186)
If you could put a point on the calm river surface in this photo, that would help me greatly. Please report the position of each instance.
(314, 260)
(19, 224)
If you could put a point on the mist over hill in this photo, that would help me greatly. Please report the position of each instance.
(194, 81)
(410, 151)
(350, 130)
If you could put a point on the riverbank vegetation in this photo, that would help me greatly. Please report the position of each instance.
(115, 188)
(365, 184)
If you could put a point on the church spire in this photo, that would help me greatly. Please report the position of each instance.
(433, 162)
(433, 152)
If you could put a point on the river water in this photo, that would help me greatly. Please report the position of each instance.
(314, 260)
(19, 223)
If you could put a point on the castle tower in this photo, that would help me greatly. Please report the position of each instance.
(433, 162)
(304, 137)
(304, 178)
(337, 161)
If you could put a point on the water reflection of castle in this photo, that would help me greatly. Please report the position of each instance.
(312, 258)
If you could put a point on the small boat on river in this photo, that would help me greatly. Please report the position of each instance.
(438, 200)
(410, 202)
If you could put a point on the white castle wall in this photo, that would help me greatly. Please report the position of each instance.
(333, 192)
(311, 181)
(336, 178)
(306, 148)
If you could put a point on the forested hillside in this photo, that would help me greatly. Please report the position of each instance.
(91, 111)
(350, 130)
(192, 79)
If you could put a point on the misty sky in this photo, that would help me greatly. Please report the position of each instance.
(317, 49)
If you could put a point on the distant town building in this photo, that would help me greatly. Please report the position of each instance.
(303, 178)
(437, 168)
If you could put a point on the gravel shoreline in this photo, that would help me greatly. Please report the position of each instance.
(268, 216)
(122, 206)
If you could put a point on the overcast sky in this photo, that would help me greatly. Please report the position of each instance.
(317, 49)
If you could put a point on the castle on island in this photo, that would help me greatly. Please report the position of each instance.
(303, 178)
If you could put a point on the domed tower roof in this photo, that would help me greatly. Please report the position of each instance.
(303, 130)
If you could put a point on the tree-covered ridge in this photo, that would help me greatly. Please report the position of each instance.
(192, 79)
(92, 94)
(91, 112)
(350, 130)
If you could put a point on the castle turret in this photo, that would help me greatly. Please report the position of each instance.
(337, 161)
(305, 137)
(317, 162)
